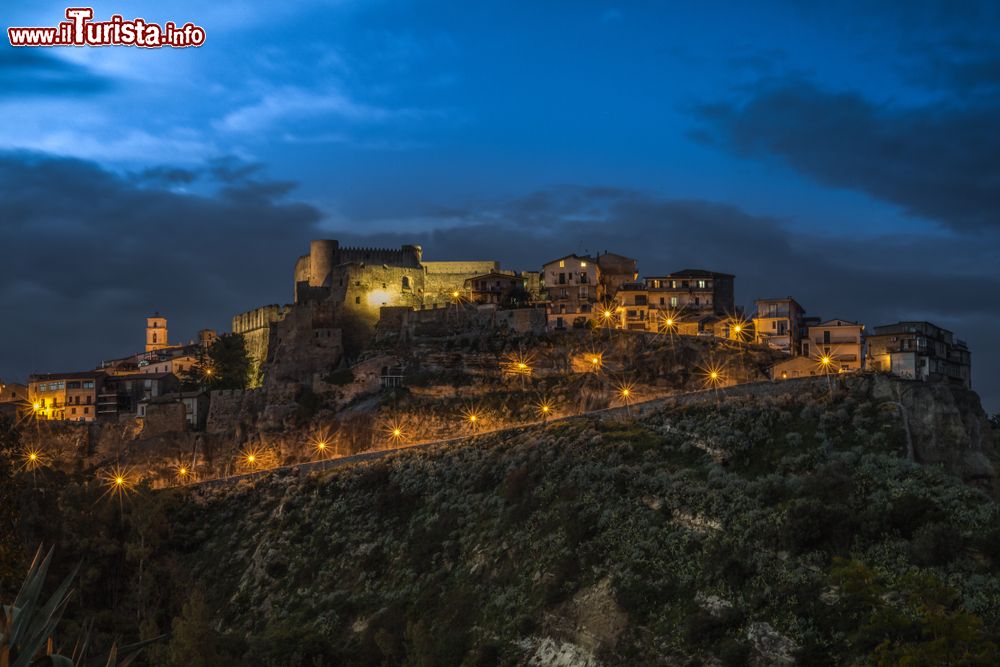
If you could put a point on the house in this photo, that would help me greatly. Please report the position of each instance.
(841, 340)
(495, 287)
(778, 323)
(799, 366)
(196, 404)
(573, 287)
(920, 351)
(615, 270)
(632, 311)
(65, 396)
(122, 394)
(12, 392)
(692, 293)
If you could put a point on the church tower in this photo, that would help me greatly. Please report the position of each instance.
(156, 333)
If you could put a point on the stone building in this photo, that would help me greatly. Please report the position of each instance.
(120, 395)
(65, 396)
(573, 288)
(12, 392)
(689, 302)
(338, 295)
(160, 355)
(692, 293)
(615, 271)
(368, 278)
(920, 351)
(495, 287)
(778, 323)
(156, 333)
(842, 341)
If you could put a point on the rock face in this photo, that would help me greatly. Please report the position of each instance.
(947, 425)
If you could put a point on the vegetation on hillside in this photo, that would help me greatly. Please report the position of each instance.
(756, 531)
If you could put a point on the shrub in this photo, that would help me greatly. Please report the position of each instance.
(935, 544)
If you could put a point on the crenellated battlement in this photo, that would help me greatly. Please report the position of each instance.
(406, 255)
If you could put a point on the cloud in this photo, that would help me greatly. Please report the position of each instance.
(936, 161)
(88, 253)
(39, 73)
(289, 104)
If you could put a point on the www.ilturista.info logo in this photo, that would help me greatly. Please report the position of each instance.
(80, 30)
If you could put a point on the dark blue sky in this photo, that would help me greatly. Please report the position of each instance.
(846, 155)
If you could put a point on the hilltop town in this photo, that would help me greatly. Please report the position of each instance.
(453, 463)
(347, 299)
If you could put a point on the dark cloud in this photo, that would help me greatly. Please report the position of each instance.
(936, 161)
(87, 254)
(31, 71)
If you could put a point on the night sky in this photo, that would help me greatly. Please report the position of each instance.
(847, 155)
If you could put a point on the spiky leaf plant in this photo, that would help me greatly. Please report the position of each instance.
(27, 626)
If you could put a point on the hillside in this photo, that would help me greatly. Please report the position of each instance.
(782, 529)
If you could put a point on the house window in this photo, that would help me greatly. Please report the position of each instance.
(86, 411)
(562, 278)
(406, 282)
(357, 299)
(701, 284)
(826, 337)
(562, 264)
(661, 301)
(583, 264)
(673, 302)
(584, 292)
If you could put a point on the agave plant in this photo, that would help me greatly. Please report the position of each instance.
(27, 626)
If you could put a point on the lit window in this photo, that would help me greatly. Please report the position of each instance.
(701, 284)
(583, 264)
(562, 264)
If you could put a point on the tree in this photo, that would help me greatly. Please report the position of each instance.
(224, 365)
(194, 642)
(11, 556)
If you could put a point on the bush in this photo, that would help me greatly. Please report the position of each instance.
(935, 544)
(812, 525)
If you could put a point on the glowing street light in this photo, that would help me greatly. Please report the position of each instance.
(118, 482)
(626, 393)
(544, 409)
(322, 448)
(252, 458)
(32, 459)
(473, 416)
(395, 432)
(739, 328)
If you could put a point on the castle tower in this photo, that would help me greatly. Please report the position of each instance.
(156, 333)
(322, 259)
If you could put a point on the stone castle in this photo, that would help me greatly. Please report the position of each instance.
(333, 284)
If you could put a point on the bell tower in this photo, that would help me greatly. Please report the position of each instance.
(156, 333)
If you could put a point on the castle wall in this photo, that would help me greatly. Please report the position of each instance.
(407, 256)
(305, 345)
(255, 327)
(441, 279)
